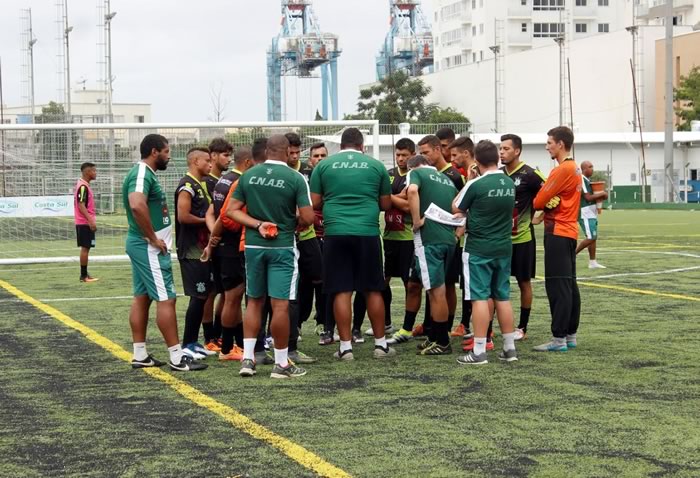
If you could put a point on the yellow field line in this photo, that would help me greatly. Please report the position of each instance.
(296, 452)
(640, 291)
(635, 291)
(632, 246)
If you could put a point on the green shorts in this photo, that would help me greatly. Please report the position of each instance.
(432, 262)
(589, 228)
(271, 272)
(151, 271)
(486, 278)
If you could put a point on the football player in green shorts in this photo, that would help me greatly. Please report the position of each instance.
(272, 192)
(148, 244)
(489, 201)
(434, 246)
(588, 217)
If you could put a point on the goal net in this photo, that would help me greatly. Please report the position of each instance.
(40, 165)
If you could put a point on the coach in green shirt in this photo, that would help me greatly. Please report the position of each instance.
(148, 244)
(488, 201)
(351, 188)
(272, 192)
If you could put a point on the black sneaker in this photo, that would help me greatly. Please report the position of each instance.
(436, 349)
(357, 337)
(326, 338)
(424, 345)
(149, 361)
(247, 368)
(187, 364)
(263, 358)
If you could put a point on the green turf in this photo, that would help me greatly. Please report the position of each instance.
(625, 403)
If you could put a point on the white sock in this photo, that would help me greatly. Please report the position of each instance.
(509, 341)
(249, 349)
(345, 345)
(140, 352)
(479, 345)
(175, 353)
(380, 342)
(281, 357)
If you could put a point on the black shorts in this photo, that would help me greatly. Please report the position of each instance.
(522, 265)
(398, 256)
(86, 237)
(310, 260)
(215, 267)
(196, 277)
(352, 263)
(231, 271)
(453, 275)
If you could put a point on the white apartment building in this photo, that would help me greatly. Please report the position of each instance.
(652, 12)
(466, 30)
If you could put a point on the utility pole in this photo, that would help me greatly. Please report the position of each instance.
(634, 30)
(30, 45)
(560, 42)
(496, 50)
(668, 130)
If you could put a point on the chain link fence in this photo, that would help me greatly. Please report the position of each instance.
(40, 165)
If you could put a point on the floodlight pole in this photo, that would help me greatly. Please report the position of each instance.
(2, 132)
(109, 15)
(668, 130)
(69, 116)
(30, 46)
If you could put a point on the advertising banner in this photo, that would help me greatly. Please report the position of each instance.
(36, 206)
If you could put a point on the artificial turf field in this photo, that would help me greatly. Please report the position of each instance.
(624, 403)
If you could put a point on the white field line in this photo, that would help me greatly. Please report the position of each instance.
(630, 274)
(399, 287)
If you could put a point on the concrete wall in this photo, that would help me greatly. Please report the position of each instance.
(622, 161)
(686, 55)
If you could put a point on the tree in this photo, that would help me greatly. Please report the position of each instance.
(437, 115)
(53, 143)
(688, 93)
(218, 103)
(399, 98)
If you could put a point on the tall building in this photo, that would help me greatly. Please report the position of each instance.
(652, 12)
(465, 30)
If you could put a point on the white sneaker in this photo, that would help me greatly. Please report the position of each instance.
(595, 265)
(388, 330)
(519, 334)
(203, 350)
(192, 354)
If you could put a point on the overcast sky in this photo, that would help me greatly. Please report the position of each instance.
(171, 53)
